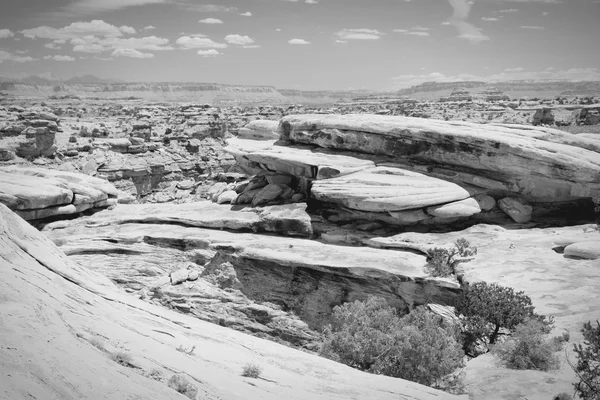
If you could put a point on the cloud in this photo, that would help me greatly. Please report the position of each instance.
(6, 33)
(490, 19)
(210, 21)
(149, 27)
(416, 31)
(509, 10)
(208, 53)
(88, 7)
(7, 56)
(531, 27)
(466, 30)
(518, 69)
(246, 14)
(239, 40)
(298, 41)
(132, 53)
(78, 29)
(198, 42)
(359, 34)
(59, 58)
(575, 74)
(311, 2)
(205, 8)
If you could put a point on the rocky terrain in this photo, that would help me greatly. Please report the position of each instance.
(261, 219)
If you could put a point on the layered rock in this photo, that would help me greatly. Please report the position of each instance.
(37, 193)
(539, 164)
(458, 94)
(259, 130)
(58, 317)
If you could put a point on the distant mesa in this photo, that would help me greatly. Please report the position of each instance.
(458, 94)
(493, 94)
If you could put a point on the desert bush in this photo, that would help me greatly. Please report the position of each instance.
(155, 374)
(562, 396)
(588, 363)
(441, 261)
(369, 335)
(528, 348)
(182, 385)
(486, 308)
(122, 358)
(251, 371)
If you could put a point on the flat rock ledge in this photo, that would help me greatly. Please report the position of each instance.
(37, 193)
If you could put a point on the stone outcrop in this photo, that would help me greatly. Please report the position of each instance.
(37, 193)
(537, 163)
(259, 130)
(246, 281)
(58, 316)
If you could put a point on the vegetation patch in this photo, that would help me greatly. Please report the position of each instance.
(441, 261)
(251, 371)
(181, 384)
(588, 363)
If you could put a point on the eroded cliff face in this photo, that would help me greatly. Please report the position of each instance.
(279, 287)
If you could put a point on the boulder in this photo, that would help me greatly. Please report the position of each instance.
(259, 130)
(458, 209)
(588, 250)
(517, 209)
(267, 194)
(385, 189)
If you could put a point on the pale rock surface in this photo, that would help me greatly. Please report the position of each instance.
(457, 209)
(566, 166)
(36, 193)
(589, 250)
(384, 189)
(259, 130)
(517, 209)
(61, 323)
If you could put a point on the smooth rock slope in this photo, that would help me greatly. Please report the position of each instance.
(64, 327)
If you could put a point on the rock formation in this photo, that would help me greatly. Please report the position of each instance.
(37, 193)
(458, 94)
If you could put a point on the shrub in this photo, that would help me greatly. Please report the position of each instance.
(588, 363)
(486, 308)
(122, 358)
(420, 347)
(562, 396)
(528, 348)
(180, 384)
(251, 371)
(441, 261)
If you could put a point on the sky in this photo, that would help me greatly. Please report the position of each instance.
(302, 44)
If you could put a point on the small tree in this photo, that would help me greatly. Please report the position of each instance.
(486, 308)
(528, 348)
(588, 363)
(420, 347)
(441, 261)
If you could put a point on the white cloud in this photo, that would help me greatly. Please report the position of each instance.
(7, 56)
(93, 44)
(246, 14)
(59, 58)
(490, 19)
(311, 2)
(208, 53)
(207, 8)
(517, 69)
(198, 42)
(341, 41)
(466, 30)
(78, 29)
(149, 27)
(6, 33)
(86, 7)
(132, 53)
(210, 21)
(531, 27)
(509, 10)
(53, 45)
(239, 40)
(89, 48)
(298, 41)
(359, 34)
(416, 31)
(575, 74)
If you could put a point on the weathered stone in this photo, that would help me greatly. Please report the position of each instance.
(518, 210)
(588, 250)
(384, 189)
(267, 194)
(178, 276)
(228, 196)
(457, 209)
(259, 130)
(485, 202)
